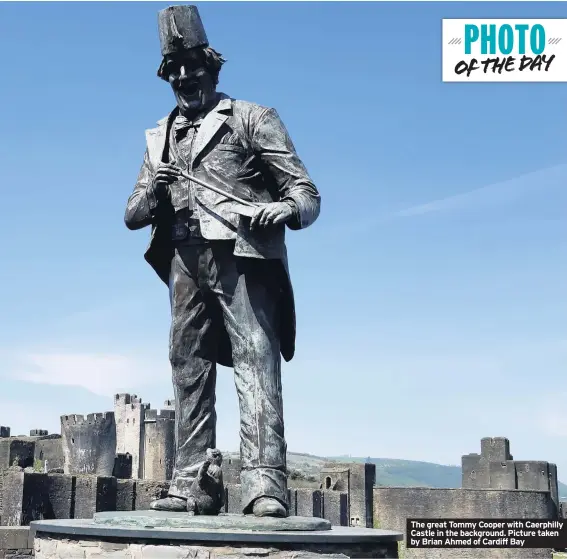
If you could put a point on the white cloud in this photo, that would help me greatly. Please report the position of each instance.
(102, 374)
(484, 198)
(495, 193)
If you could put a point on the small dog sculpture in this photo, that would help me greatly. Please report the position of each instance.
(206, 496)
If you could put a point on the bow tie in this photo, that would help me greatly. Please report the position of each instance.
(183, 124)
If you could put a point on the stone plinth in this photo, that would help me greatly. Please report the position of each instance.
(154, 535)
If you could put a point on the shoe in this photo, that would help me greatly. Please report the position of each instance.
(267, 506)
(170, 504)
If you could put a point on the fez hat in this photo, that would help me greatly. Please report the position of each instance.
(180, 29)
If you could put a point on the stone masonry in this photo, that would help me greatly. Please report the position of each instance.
(129, 412)
(357, 481)
(494, 484)
(89, 443)
(147, 435)
(159, 444)
(495, 468)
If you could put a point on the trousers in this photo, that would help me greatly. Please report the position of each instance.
(210, 289)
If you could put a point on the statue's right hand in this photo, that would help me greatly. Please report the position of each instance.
(166, 174)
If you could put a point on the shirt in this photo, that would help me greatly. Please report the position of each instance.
(182, 141)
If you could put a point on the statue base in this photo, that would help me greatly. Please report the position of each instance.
(160, 519)
(156, 535)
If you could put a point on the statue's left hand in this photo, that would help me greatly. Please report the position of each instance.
(271, 214)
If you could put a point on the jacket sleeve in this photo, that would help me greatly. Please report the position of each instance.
(271, 141)
(142, 203)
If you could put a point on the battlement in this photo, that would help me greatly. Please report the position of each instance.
(91, 419)
(163, 415)
(169, 405)
(124, 398)
(39, 433)
(4, 432)
(128, 400)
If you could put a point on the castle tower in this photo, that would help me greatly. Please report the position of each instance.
(495, 468)
(169, 405)
(335, 478)
(89, 444)
(129, 413)
(495, 449)
(357, 480)
(494, 462)
(159, 445)
(4, 432)
(362, 480)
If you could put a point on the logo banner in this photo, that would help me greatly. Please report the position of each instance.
(504, 50)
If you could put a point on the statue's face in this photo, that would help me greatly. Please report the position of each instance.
(192, 84)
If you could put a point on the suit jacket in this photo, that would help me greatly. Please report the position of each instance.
(242, 148)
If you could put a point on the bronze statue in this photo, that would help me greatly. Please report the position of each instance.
(219, 183)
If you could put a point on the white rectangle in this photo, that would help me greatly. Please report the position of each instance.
(504, 50)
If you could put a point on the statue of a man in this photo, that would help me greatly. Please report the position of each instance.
(224, 262)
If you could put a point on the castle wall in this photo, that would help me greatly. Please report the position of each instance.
(24, 497)
(61, 496)
(31, 496)
(159, 445)
(16, 542)
(94, 493)
(129, 414)
(475, 474)
(231, 470)
(123, 466)
(49, 451)
(89, 444)
(503, 475)
(554, 484)
(19, 452)
(336, 508)
(394, 505)
(532, 475)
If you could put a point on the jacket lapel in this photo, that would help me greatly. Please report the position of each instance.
(155, 139)
(211, 125)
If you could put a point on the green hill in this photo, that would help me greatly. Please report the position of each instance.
(410, 473)
(393, 472)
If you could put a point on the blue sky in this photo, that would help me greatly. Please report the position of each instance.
(431, 291)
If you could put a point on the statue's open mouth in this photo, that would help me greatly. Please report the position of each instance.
(190, 88)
